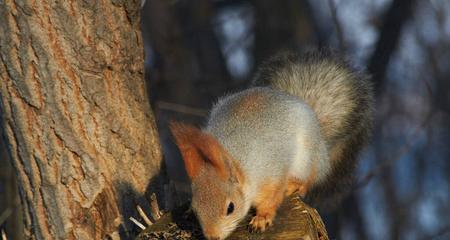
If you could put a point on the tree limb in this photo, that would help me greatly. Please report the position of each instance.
(295, 220)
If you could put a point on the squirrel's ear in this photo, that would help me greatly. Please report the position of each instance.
(197, 149)
(212, 153)
(184, 137)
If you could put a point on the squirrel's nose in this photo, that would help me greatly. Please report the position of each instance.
(211, 234)
(213, 238)
(209, 237)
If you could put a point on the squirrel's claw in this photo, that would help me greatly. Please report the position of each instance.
(260, 223)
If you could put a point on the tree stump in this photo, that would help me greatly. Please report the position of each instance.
(295, 220)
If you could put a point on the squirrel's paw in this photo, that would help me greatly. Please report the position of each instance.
(260, 223)
(296, 186)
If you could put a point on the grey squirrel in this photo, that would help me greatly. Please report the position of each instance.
(302, 122)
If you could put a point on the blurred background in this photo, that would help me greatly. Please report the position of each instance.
(199, 50)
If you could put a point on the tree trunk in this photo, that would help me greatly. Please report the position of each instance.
(77, 120)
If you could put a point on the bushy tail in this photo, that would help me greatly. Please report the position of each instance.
(342, 99)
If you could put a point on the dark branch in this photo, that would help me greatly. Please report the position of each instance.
(397, 15)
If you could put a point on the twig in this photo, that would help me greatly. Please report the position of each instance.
(388, 162)
(144, 216)
(154, 207)
(292, 223)
(175, 107)
(140, 225)
(4, 235)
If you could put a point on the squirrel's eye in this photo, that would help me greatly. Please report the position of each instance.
(230, 208)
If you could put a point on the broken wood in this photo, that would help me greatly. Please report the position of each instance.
(295, 220)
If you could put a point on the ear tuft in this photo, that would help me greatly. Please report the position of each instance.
(198, 148)
(213, 153)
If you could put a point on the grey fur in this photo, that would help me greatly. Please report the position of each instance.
(305, 117)
(342, 98)
(264, 136)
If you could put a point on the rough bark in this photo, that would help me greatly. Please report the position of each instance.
(76, 115)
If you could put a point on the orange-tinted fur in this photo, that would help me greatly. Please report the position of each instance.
(302, 187)
(249, 104)
(269, 197)
(297, 129)
(293, 186)
(197, 149)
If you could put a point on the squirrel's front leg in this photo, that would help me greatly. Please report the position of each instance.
(267, 201)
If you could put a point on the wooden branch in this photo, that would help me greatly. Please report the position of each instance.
(156, 214)
(180, 108)
(295, 220)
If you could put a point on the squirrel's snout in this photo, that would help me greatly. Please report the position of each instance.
(213, 238)
(211, 235)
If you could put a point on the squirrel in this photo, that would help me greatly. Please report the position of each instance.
(303, 121)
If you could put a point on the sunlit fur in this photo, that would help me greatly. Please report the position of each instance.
(342, 98)
(271, 134)
(216, 179)
(210, 199)
(305, 119)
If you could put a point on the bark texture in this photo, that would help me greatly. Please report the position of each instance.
(76, 115)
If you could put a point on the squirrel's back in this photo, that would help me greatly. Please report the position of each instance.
(265, 130)
(342, 99)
